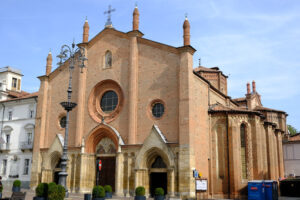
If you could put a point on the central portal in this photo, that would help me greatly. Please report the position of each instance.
(107, 174)
(158, 179)
(106, 153)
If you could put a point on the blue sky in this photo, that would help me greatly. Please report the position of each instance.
(248, 39)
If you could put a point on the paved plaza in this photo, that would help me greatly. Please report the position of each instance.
(30, 194)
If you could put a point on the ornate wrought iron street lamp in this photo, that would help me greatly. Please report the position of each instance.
(73, 56)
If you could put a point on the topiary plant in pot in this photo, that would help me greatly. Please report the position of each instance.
(41, 192)
(98, 193)
(52, 191)
(159, 194)
(16, 186)
(61, 192)
(140, 193)
(108, 191)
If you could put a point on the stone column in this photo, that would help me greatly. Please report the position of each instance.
(171, 182)
(87, 172)
(119, 174)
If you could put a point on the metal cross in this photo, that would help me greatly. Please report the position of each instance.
(108, 12)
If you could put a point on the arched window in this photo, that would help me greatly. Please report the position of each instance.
(108, 59)
(244, 151)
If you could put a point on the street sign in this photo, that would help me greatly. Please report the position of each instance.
(201, 184)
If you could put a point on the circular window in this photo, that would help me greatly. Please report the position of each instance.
(109, 101)
(158, 109)
(63, 122)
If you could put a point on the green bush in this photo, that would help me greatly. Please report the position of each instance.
(17, 183)
(41, 190)
(61, 192)
(98, 192)
(1, 188)
(159, 191)
(107, 188)
(140, 191)
(52, 191)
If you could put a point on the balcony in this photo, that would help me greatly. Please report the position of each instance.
(5, 146)
(27, 145)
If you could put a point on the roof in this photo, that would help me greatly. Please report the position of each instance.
(25, 96)
(221, 108)
(261, 108)
(210, 70)
(240, 99)
(15, 94)
(10, 69)
(294, 138)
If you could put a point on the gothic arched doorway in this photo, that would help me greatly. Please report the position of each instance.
(158, 176)
(106, 153)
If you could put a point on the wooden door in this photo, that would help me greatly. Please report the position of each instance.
(107, 174)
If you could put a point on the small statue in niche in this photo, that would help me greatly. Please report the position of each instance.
(108, 59)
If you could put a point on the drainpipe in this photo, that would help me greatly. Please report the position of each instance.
(227, 127)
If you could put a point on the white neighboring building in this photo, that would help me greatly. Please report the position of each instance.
(17, 119)
(291, 155)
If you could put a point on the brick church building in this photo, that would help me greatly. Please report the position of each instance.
(152, 118)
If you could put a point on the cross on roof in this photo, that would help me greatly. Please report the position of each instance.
(108, 12)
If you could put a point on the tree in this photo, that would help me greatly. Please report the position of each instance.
(292, 130)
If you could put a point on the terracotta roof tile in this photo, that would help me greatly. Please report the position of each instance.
(240, 99)
(295, 137)
(25, 95)
(261, 108)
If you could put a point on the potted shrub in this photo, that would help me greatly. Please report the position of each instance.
(16, 186)
(98, 193)
(1, 189)
(41, 191)
(140, 193)
(52, 191)
(159, 194)
(61, 192)
(108, 191)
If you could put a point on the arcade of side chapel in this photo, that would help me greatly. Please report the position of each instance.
(152, 118)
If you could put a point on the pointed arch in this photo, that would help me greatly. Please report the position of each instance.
(100, 132)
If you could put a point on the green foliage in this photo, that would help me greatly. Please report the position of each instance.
(159, 191)
(61, 192)
(98, 192)
(107, 188)
(292, 130)
(41, 190)
(140, 191)
(52, 191)
(17, 183)
(1, 188)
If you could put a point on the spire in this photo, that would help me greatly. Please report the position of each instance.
(49, 63)
(135, 23)
(186, 32)
(248, 88)
(86, 29)
(253, 87)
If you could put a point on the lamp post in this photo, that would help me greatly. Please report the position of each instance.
(73, 56)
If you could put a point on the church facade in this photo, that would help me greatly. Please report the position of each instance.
(151, 119)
